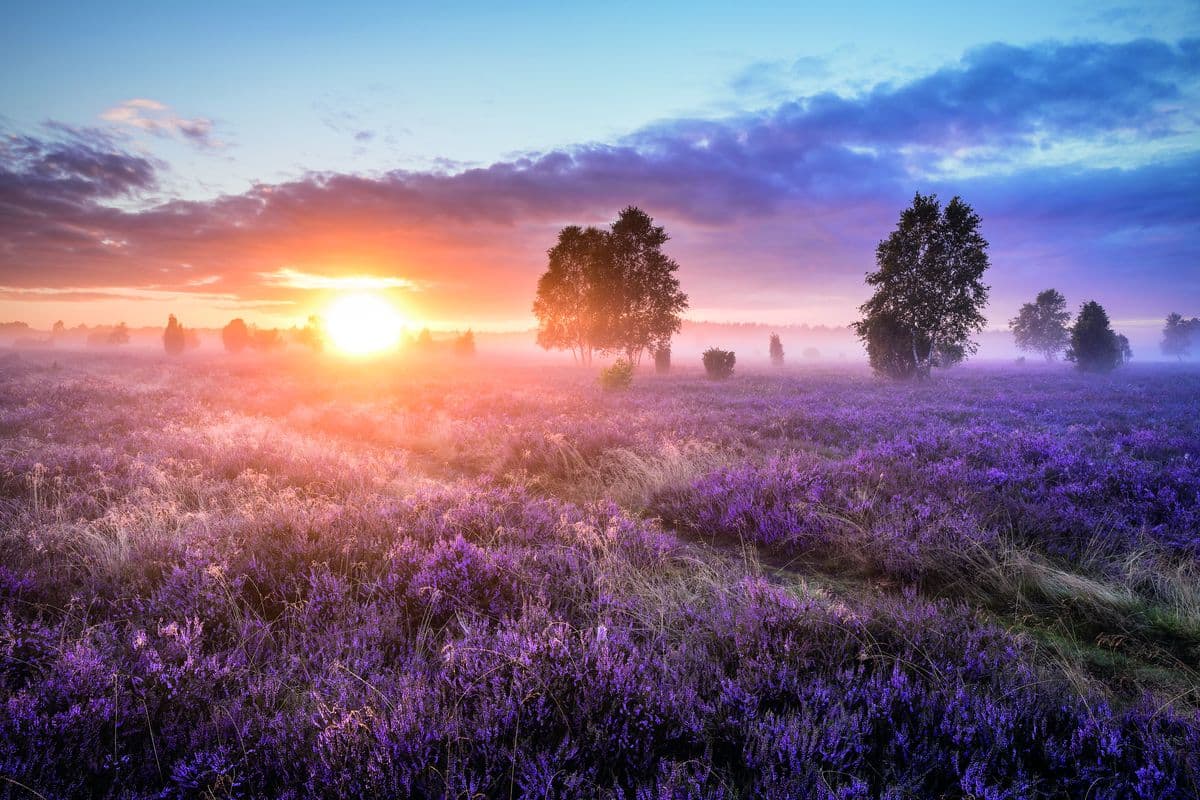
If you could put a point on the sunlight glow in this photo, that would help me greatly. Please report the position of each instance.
(362, 324)
(295, 279)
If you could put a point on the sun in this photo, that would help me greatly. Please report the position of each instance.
(362, 324)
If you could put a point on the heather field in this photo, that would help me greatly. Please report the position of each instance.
(286, 578)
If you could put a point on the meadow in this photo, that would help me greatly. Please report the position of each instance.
(227, 577)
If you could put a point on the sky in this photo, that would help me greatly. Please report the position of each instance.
(255, 159)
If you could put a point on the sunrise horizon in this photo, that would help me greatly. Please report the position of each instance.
(131, 195)
(600, 401)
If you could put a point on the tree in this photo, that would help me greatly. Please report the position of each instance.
(776, 350)
(1177, 335)
(1094, 347)
(1041, 326)
(662, 359)
(644, 300)
(174, 338)
(265, 339)
(1126, 350)
(929, 290)
(235, 336)
(312, 335)
(118, 335)
(464, 345)
(424, 340)
(59, 329)
(568, 293)
(611, 291)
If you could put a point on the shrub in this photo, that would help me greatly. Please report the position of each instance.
(662, 360)
(174, 338)
(776, 350)
(718, 363)
(618, 377)
(464, 345)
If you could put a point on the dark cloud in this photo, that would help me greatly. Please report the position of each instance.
(834, 167)
(75, 166)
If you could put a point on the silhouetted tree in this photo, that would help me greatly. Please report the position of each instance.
(612, 291)
(424, 340)
(1126, 350)
(1178, 333)
(235, 336)
(464, 345)
(568, 293)
(118, 335)
(1094, 347)
(718, 363)
(266, 339)
(929, 292)
(59, 329)
(174, 339)
(312, 335)
(662, 359)
(1041, 326)
(643, 299)
(776, 350)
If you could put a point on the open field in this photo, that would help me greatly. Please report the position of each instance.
(225, 578)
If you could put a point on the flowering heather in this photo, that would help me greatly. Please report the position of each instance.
(311, 580)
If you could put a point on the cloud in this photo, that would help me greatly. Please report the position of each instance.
(158, 119)
(795, 195)
(295, 279)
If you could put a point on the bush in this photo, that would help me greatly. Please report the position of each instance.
(719, 363)
(464, 345)
(618, 377)
(776, 349)
(174, 337)
(662, 360)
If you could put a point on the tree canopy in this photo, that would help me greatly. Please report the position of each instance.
(613, 291)
(174, 337)
(236, 336)
(929, 290)
(1041, 326)
(1178, 334)
(775, 349)
(1094, 347)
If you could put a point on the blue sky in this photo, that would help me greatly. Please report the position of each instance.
(462, 136)
(321, 86)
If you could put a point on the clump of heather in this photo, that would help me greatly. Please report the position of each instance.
(430, 589)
